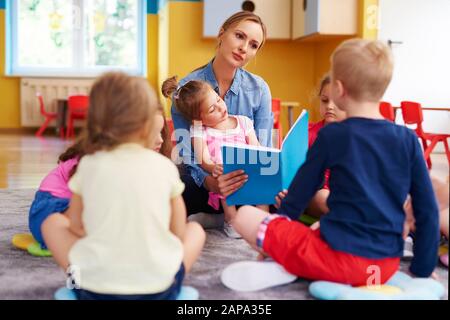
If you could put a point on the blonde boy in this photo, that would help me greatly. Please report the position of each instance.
(373, 164)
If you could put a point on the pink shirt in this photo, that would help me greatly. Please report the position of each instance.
(56, 181)
(215, 138)
(313, 131)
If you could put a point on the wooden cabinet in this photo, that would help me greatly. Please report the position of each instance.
(276, 15)
(316, 18)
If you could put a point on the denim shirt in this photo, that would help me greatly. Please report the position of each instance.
(249, 95)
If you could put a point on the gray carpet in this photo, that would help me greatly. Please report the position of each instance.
(23, 276)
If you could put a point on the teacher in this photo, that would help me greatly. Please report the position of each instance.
(240, 38)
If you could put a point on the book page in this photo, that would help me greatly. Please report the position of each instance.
(294, 149)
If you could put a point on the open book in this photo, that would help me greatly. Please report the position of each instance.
(269, 170)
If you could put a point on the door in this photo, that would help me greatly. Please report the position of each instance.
(422, 59)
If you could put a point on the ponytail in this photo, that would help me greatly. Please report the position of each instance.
(169, 86)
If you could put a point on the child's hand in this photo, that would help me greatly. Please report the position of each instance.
(217, 171)
(280, 197)
(261, 256)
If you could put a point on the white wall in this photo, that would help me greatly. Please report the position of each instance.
(422, 61)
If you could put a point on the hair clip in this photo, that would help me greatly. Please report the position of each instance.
(177, 93)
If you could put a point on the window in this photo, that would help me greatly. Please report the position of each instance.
(76, 37)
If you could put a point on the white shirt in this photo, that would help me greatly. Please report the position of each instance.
(128, 248)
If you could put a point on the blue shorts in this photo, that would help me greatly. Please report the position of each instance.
(44, 205)
(170, 294)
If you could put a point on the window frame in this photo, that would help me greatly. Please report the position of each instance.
(79, 69)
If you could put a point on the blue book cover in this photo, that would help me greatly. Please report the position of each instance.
(269, 170)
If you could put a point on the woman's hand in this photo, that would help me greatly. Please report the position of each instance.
(226, 184)
(231, 182)
(280, 197)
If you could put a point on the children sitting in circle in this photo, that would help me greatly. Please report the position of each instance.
(117, 197)
(211, 127)
(124, 235)
(374, 164)
(53, 195)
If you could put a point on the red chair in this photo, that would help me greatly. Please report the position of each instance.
(387, 111)
(78, 109)
(412, 114)
(276, 109)
(49, 116)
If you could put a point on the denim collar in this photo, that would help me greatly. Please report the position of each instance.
(211, 78)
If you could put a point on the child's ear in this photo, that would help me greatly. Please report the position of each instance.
(340, 90)
(219, 37)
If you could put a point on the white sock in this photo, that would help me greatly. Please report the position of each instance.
(248, 276)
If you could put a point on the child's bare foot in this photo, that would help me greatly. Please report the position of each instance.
(261, 256)
(435, 276)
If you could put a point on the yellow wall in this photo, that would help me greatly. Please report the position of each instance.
(152, 48)
(368, 19)
(9, 87)
(163, 52)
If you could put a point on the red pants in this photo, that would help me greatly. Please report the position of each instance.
(304, 253)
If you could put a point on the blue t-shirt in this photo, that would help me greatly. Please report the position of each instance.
(249, 96)
(373, 164)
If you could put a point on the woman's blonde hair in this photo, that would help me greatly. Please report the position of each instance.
(119, 105)
(186, 98)
(244, 16)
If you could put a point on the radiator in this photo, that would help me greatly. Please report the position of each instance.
(51, 89)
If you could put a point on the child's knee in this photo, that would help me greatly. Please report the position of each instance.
(244, 210)
(52, 221)
(241, 213)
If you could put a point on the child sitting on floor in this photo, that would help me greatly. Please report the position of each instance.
(329, 114)
(124, 234)
(54, 194)
(211, 127)
(373, 164)
(441, 189)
